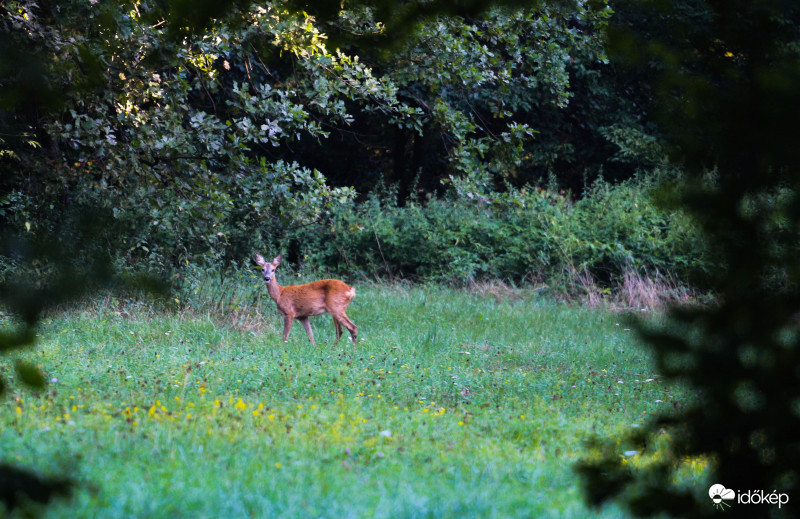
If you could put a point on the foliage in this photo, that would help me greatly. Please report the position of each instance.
(513, 96)
(72, 268)
(522, 236)
(181, 134)
(727, 101)
(205, 147)
(481, 81)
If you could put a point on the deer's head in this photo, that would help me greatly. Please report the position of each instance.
(268, 269)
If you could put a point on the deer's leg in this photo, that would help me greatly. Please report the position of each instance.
(352, 328)
(338, 327)
(347, 323)
(307, 325)
(287, 325)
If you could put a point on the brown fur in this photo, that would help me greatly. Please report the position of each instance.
(300, 302)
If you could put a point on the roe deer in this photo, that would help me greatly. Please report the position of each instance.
(302, 301)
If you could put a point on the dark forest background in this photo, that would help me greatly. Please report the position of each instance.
(502, 143)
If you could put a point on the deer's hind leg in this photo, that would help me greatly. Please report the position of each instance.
(342, 320)
(338, 327)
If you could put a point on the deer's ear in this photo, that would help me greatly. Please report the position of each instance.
(259, 259)
(276, 261)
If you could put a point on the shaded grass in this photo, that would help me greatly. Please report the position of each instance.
(452, 405)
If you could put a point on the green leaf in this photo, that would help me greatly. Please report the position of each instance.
(30, 375)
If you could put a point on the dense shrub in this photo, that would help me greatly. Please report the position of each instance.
(529, 235)
(520, 236)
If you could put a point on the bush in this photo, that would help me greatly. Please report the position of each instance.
(529, 235)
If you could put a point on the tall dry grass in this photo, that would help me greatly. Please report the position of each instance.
(635, 291)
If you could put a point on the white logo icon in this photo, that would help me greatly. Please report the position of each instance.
(719, 494)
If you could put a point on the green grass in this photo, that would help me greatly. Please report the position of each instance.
(451, 405)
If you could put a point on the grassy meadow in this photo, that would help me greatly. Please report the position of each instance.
(452, 404)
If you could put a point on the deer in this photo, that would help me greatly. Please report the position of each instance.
(303, 301)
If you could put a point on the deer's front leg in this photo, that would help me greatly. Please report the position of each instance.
(287, 325)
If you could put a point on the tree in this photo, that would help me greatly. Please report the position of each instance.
(204, 143)
(728, 102)
(184, 133)
(508, 97)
